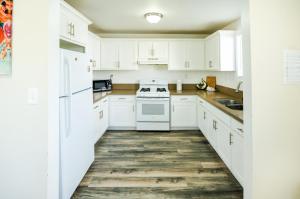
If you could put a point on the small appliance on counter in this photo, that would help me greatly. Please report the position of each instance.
(179, 86)
(102, 85)
(202, 85)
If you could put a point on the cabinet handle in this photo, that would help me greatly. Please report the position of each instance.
(96, 107)
(133, 109)
(70, 29)
(210, 64)
(216, 125)
(88, 69)
(240, 130)
(230, 139)
(182, 99)
(73, 32)
(204, 115)
(105, 100)
(173, 108)
(213, 124)
(122, 98)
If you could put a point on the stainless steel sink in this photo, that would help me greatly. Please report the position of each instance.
(230, 103)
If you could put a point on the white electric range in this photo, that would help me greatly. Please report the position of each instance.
(153, 106)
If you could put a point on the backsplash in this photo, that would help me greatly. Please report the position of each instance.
(228, 79)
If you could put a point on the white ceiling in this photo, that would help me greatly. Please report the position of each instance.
(180, 16)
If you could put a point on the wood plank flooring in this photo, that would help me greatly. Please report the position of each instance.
(155, 165)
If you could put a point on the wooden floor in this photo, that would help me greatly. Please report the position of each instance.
(154, 165)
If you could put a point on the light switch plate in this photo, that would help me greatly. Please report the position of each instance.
(32, 96)
(291, 66)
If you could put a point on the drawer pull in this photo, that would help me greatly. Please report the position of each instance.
(96, 107)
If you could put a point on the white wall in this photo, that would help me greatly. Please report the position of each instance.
(274, 26)
(24, 128)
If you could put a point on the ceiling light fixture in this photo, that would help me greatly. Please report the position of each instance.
(153, 17)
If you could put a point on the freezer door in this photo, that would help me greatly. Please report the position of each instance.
(81, 74)
(77, 147)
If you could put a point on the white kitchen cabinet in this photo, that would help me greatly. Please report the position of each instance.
(93, 51)
(153, 52)
(73, 25)
(186, 54)
(118, 54)
(128, 55)
(220, 51)
(237, 151)
(184, 112)
(223, 134)
(100, 118)
(122, 114)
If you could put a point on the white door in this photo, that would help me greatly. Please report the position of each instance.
(237, 152)
(177, 55)
(81, 74)
(145, 50)
(184, 114)
(65, 24)
(223, 142)
(128, 55)
(80, 30)
(122, 114)
(212, 50)
(195, 54)
(105, 113)
(93, 51)
(161, 51)
(77, 145)
(109, 55)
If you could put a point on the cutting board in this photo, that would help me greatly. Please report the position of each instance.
(211, 81)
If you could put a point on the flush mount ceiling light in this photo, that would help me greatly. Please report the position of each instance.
(153, 17)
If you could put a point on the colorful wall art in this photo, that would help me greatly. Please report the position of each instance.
(6, 9)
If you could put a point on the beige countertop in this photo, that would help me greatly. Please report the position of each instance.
(207, 96)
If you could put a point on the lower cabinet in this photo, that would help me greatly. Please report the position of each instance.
(183, 112)
(122, 114)
(225, 135)
(100, 118)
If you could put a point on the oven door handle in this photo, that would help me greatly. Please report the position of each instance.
(153, 99)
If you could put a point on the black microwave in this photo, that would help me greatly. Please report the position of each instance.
(102, 85)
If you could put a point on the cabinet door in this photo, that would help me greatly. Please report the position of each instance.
(161, 51)
(93, 51)
(184, 114)
(109, 55)
(177, 55)
(128, 55)
(212, 52)
(97, 122)
(237, 154)
(223, 142)
(105, 114)
(80, 30)
(65, 23)
(195, 54)
(145, 50)
(202, 119)
(122, 114)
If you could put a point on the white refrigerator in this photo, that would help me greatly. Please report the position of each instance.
(76, 117)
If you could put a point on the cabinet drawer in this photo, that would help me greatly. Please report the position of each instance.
(237, 126)
(219, 114)
(184, 98)
(122, 98)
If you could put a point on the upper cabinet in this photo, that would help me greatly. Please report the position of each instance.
(73, 25)
(93, 51)
(153, 52)
(220, 51)
(186, 54)
(118, 54)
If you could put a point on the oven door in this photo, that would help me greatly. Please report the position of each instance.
(153, 109)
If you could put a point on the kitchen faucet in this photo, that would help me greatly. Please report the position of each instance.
(238, 86)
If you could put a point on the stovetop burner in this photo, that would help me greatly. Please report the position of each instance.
(145, 90)
(161, 90)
